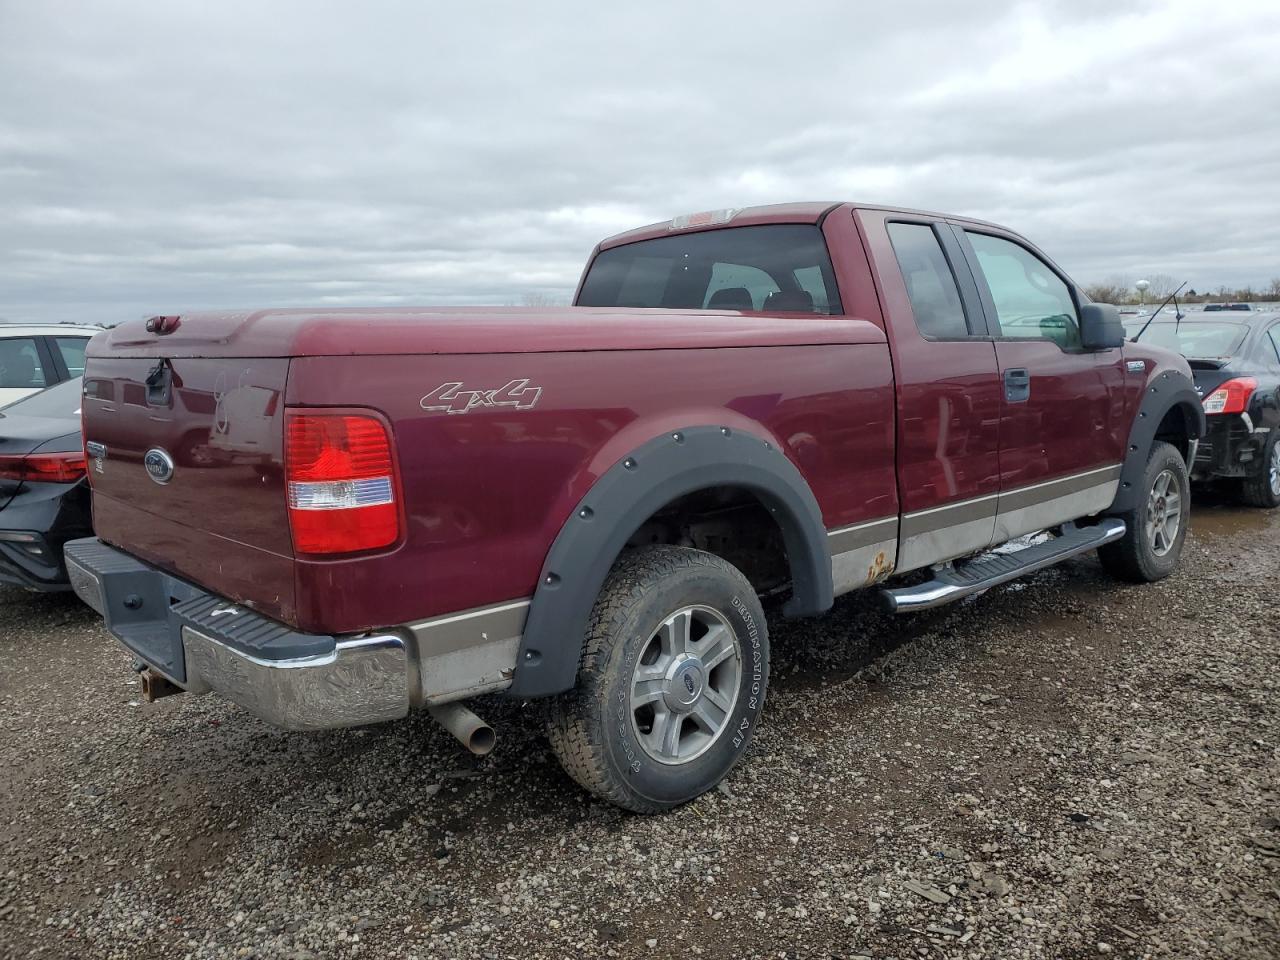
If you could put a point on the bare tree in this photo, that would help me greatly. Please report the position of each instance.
(1105, 293)
(1273, 291)
(539, 299)
(1115, 289)
(1161, 285)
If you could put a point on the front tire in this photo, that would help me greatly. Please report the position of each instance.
(672, 681)
(1263, 488)
(1157, 525)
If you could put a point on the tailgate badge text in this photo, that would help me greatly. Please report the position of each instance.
(96, 452)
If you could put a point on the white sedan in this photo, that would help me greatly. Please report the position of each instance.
(35, 357)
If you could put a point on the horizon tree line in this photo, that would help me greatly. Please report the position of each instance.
(1119, 289)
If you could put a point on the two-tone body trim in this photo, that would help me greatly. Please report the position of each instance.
(1029, 509)
(862, 554)
(469, 653)
(943, 533)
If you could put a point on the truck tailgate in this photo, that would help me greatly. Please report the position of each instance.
(186, 462)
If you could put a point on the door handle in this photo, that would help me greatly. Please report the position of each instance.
(1017, 385)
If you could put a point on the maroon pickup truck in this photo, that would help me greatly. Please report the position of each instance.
(333, 517)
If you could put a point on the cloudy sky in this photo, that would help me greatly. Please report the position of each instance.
(165, 156)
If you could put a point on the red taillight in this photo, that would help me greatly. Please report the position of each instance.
(1232, 397)
(44, 467)
(342, 485)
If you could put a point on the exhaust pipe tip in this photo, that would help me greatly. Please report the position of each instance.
(483, 740)
(472, 732)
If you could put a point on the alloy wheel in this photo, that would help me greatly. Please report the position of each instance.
(685, 684)
(1164, 513)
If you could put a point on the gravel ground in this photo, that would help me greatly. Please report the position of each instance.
(1065, 767)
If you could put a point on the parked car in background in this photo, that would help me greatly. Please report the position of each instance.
(35, 357)
(44, 496)
(1229, 308)
(1235, 361)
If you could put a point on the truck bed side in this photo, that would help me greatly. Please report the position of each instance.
(487, 490)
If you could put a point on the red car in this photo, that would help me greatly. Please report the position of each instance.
(335, 516)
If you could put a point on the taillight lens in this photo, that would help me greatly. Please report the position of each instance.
(1232, 397)
(342, 484)
(44, 467)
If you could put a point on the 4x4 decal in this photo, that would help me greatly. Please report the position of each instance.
(451, 398)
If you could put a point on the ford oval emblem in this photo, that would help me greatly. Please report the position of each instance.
(159, 465)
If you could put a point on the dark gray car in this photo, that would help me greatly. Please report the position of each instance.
(1235, 360)
(44, 493)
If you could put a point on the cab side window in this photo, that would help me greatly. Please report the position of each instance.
(1031, 300)
(935, 299)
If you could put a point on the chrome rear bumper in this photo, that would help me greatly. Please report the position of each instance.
(363, 680)
(201, 643)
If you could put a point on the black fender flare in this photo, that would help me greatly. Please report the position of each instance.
(624, 497)
(1164, 392)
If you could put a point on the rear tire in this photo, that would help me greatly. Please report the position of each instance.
(1156, 528)
(1263, 488)
(672, 681)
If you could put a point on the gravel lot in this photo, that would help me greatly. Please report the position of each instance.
(1064, 768)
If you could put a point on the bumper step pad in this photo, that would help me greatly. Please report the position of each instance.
(146, 609)
(243, 630)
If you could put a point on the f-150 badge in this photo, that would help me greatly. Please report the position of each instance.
(451, 398)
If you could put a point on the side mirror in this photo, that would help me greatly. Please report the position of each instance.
(1100, 326)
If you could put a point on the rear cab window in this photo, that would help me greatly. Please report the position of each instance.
(770, 268)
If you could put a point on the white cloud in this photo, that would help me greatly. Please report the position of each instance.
(164, 157)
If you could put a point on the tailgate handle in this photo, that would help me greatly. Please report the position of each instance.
(160, 384)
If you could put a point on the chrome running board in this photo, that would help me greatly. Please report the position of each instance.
(990, 570)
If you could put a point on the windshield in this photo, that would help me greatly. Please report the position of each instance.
(775, 268)
(1196, 338)
(56, 403)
